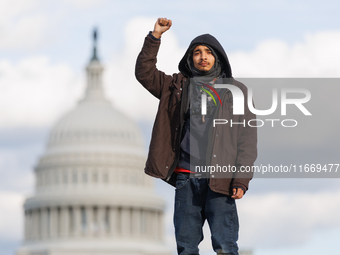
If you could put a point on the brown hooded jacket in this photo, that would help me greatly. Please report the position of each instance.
(234, 145)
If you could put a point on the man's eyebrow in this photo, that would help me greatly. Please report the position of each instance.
(206, 49)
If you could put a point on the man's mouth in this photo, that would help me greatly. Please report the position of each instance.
(203, 63)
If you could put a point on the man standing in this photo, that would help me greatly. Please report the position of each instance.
(185, 140)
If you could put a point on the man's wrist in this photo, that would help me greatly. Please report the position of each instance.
(156, 34)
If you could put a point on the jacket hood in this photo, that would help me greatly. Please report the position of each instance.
(212, 42)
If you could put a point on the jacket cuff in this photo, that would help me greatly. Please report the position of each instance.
(239, 185)
(152, 37)
(151, 46)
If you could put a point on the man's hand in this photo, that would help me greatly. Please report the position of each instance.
(237, 194)
(162, 25)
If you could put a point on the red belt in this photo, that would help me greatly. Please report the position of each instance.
(182, 170)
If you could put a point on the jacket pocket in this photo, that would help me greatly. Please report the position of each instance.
(173, 100)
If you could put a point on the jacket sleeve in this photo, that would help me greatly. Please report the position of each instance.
(246, 147)
(146, 72)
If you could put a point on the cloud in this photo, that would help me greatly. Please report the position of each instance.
(34, 92)
(22, 26)
(19, 151)
(278, 219)
(83, 4)
(317, 56)
(10, 9)
(20, 177)
(11, 216)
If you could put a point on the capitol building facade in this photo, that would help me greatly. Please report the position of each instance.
(92, 196)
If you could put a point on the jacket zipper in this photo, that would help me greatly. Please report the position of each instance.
(184, 99)
(211, 133)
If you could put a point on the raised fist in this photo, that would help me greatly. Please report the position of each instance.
(161, 25)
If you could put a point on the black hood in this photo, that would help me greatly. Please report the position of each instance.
(212, 42)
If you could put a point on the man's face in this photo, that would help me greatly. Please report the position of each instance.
(203, 58)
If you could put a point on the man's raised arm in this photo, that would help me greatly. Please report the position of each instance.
(146, 72)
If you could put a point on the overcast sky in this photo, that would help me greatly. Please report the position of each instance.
(45, 46)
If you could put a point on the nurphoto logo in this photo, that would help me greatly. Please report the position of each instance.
(238, 105)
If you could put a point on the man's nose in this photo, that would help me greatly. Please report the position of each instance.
(204, 55)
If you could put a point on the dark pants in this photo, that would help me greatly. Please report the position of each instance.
(195, 202)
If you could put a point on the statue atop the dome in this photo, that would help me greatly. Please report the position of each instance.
(94, 57)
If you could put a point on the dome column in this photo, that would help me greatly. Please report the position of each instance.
(64, 222)
(35, 224)
(28, 225)
(53, 222)
(125, 221)
(136, 224)
(101, 220)
(89, 221)
(154, 224)
(44, 223)
(113, 221)
(76, 221)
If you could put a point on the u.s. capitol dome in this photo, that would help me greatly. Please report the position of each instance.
(91, 193)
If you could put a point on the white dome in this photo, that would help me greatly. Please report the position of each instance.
(95, 123)
(93, 139)
(91, 146)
